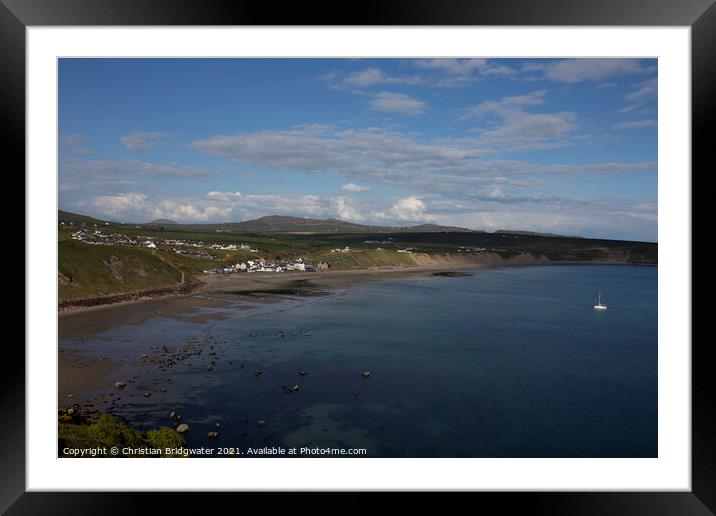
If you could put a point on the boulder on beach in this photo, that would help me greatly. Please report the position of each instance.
(120, 385)
(182, 428)
(290, 390)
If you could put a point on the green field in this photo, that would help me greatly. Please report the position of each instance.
(317, 246)
(98, 270)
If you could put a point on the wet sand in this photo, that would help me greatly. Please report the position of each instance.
(77, 373)
(213, 290)
(99, 318)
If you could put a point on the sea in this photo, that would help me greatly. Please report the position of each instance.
(504, 362)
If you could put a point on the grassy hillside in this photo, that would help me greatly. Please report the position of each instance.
(98, 270)
(75, 218)
(364, 258)
(191, 266)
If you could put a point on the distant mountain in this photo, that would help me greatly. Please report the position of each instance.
(162, 222)
(532, 233)
(75, 218)
(436, 228)
(287, 224)
(279, 224)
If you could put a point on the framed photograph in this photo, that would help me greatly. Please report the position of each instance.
(414, 250)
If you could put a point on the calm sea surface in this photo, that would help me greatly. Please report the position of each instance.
(509, 362)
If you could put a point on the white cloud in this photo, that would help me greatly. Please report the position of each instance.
(453, 66)
(597, 218)
(460, 72)
(509, 104)
(611, 218)
(141, 141)
(363, 78)
(441, 72)
(521, 130)
(400, 103)
(354, 188)
(346, 211)
(585, 69)
(120, 205)
(458, 167)
(408, 209)
(367, 78)
(215, 206)
(496, 193)
(645, 91)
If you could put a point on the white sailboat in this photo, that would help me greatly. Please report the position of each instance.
(599, 306)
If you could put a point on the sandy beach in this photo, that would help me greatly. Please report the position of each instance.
(218, 283)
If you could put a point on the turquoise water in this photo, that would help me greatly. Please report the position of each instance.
(509, 362)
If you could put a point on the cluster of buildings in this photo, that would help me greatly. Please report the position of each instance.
(185, 247)
(466, 249)
(264, 266)
(89, 236)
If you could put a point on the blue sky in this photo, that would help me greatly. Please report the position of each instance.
(566, 146)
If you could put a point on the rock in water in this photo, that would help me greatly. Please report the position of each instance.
(258, 372)
(147, 394)
(183, 428)
(302, 373)
(260, 422)
(212, 434)
(120, 385)
(365, 374)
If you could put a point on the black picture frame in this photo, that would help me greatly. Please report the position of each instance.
(17, 15)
